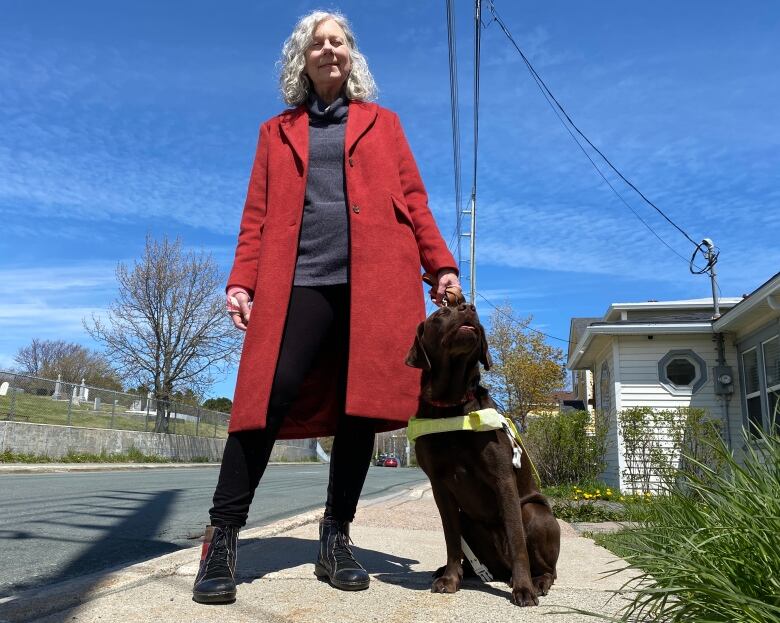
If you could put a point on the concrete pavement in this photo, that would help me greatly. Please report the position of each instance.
(398, 539)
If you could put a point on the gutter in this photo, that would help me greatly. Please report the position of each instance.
(772, 298)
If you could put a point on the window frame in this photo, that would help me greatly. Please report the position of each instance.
(682, 390)
(757, 340)
(767, 389)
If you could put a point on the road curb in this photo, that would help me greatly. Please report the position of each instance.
(36, 603)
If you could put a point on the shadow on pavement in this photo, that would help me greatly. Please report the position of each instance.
(260, 557)
(131, 538)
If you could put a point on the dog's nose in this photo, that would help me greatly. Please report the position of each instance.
(466, 307)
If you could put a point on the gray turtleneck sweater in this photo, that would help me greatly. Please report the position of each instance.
(323, 247)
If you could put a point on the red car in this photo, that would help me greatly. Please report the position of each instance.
(390, 461)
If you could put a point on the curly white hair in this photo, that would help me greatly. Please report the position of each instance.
(295, 85)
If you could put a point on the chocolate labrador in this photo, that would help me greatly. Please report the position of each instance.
(481, 496)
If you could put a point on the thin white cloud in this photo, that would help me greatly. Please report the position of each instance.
(24, 281)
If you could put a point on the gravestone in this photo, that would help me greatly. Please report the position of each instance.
(82, 390)
(57, 388)
(97, 403)
(74, 399)
(4, 388)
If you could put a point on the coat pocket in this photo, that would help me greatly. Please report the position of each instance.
(401, 211)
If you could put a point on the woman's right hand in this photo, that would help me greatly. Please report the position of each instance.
(243, 308)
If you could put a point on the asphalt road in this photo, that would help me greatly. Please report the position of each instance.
(54, 527)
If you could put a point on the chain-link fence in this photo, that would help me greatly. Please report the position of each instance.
(26, 398)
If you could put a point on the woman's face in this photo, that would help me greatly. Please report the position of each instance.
(327, 58)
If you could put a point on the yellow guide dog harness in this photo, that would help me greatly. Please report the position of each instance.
(475, 421)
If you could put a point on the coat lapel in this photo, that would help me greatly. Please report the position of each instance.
(360, 119)
(295, 127)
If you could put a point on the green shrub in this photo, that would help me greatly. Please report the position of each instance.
(659, 443)
(563, 449)
(709, 551)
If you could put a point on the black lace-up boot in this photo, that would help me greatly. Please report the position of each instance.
(335, 560)
(216, 579)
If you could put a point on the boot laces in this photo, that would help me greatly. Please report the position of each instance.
(218, 559)
(341, 551)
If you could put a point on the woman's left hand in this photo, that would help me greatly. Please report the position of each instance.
(447, 278)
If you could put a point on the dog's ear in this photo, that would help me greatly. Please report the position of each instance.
(417, 357)
(484, 354)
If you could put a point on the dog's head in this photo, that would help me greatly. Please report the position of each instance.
(449, 332)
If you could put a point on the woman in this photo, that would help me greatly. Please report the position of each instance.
(326, 284)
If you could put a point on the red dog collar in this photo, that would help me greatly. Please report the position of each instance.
(438, 403)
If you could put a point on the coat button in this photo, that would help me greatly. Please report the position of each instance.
(356, 209)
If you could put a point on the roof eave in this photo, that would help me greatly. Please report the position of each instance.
(639, 328)
(770, 294)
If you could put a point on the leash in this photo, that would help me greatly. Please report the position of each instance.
(453, 295)
(480, 569)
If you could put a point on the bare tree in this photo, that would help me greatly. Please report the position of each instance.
(525, 368)
(49, 358)
(168, 329)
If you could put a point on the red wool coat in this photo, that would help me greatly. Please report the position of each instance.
(392, 232)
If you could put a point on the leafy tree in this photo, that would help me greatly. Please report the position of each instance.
(49, 358)
(168, 329)
(219, 404)
(186, 396)
(525, 368)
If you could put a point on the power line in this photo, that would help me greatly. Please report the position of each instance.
(556, 106)
(503, 313)
(454, 112)
(473, 211)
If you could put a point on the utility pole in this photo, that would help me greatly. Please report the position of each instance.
(472, 211)
(712, 259)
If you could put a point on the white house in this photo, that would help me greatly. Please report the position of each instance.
(668, 354)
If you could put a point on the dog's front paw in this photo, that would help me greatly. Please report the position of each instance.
(445, 584)
(524, 595)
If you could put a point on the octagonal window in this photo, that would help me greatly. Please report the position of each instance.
(680, 371)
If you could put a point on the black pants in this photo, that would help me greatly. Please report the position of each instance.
(315, 316)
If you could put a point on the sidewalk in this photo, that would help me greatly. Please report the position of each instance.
(398, 539)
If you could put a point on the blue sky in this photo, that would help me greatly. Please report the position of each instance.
(121, 118)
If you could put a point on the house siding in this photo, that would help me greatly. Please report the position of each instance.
(632, 365)
(641, 387)
(611, 474)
